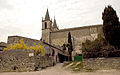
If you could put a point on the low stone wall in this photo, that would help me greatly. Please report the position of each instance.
(102, 63)
(23, 60)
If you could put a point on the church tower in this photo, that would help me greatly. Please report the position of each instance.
(46, 28)
(54, 27)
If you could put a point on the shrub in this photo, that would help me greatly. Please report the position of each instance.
(99, 48)
(21, 45)
(37, 48)
(17, 45)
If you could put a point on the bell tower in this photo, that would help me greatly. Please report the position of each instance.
(54, 27)
(46, 28)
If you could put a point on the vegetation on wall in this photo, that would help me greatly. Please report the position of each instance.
(21, 45)
(99, 48)
(111, 27)
(107, 43)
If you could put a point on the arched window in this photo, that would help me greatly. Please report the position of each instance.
(45, 25)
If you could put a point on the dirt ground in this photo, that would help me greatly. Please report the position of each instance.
(58, 70)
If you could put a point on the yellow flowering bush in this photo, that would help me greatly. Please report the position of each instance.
(37, 48)
(17, 45)
(22, 45)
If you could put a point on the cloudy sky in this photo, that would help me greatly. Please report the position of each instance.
(23, 17)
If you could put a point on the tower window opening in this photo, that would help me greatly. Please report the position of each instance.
(45, 25)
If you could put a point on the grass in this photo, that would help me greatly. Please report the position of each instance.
(67, 63)
(77, 67)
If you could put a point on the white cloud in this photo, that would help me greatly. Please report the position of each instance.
(23, 17)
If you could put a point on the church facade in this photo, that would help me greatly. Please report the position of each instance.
(57, 37)
(53, 39)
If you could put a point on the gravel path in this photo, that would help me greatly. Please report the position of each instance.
(58, 70)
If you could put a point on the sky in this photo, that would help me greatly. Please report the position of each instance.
(23, 17)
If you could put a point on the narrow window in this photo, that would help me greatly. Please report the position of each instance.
(45, 25)
(53, 53)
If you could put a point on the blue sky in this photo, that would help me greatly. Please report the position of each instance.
(23, 17)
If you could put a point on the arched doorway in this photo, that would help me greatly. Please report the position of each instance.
(62, 58)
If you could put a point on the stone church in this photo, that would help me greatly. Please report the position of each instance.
(57, 37)
(53, 38)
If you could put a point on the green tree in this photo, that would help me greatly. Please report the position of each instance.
(70, 47)
(111, 27)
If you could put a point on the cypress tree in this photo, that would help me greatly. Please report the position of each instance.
(111, 27)
(70, 48)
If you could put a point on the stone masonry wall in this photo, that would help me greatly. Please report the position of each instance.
(102, 63)
(79, 35)
(28, 42)
(23, 60)
(49, 50)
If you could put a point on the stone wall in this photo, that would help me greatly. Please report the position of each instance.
(50, 50)
(2, 45)
(102, 63)
(23, 60)
(79, 35)
(46, 35)
(28, 42)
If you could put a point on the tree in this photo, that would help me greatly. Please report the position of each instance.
(70, 48)
(111, 27)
